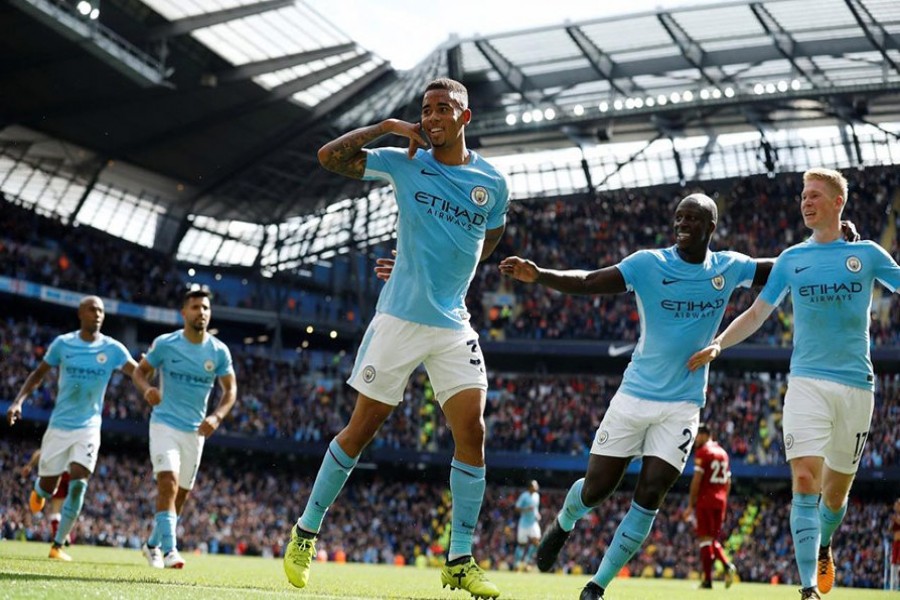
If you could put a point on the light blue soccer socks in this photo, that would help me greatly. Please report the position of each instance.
(467, 485)
(336, 468)
(829, 521)
(805, 530)
(628, 539)
(573, 508)
(166, 523)
(71, 509)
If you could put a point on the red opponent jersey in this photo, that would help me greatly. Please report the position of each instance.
(711, 460)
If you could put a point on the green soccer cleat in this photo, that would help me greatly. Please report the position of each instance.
(298, 555)
(470, 577)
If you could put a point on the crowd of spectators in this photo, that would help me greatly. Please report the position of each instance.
(235, 509)
(532, 413)
(758, 216)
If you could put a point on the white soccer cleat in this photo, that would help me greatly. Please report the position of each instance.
(173, 560)
(154, 556)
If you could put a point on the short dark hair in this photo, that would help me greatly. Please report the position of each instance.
(196, 293)
(703, 428)
(457, 90)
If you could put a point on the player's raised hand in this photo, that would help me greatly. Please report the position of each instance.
(519, 268)
(385, 266)
(415, 134)
(704, 357)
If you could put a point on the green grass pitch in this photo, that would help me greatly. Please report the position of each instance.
(26, 572)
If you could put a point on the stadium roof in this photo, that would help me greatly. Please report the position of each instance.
(221, 104)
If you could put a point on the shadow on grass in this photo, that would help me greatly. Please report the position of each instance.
(33, 577)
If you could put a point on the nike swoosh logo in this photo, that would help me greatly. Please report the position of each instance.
(800, 269)
(620, 350)
(670, 281)
(799, 531)
(429, 173)
(175, 360)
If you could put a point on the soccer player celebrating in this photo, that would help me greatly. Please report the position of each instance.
(452, 212)
(188, 361)
(830, 395)
(528, 531)
(707, 502)
(682, 294)
(85, 360)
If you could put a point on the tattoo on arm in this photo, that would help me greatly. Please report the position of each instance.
(345, 155)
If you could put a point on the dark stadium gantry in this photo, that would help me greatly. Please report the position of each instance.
(206, 120)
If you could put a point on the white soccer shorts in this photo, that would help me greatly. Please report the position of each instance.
(176, 451)
(828, 419)
(526, 534)
(636, 427)
(61, 447)
(392, 348)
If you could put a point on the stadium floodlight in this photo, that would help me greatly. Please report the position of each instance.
(795, 84)
(687, 96)
(650, 102)
(511, 119)
(618, 104)
(675, 97)
(716, 93)
(603, 106)
(770, 88)
(639, 103)
(759, 89)
(537, 116)
(89, 9)
(704, 94)
(661, 100)
(549, 114)
(629, 103)
(782, 86)
(578, 110)
(526, 117)
(729, 92)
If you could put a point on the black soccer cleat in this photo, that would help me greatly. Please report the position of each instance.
(552, 542)
(591, 591)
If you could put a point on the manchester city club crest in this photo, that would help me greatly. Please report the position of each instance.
(718, 282)
(789, 441)
(102, 358)
(602, 436)
(853, 264)
(209, 366)
(368, 374)
(479, 195)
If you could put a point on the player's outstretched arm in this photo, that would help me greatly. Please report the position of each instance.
(737, 331)
(608, 280)
(34, 379)
(228, 383)
(345, 155)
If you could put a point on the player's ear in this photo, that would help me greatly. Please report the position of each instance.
(466, 116)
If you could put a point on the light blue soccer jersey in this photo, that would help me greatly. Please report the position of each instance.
(530, 500)
(831, 290)
(84, 372)
(681, 306)
(444, 212)
(187, 373)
